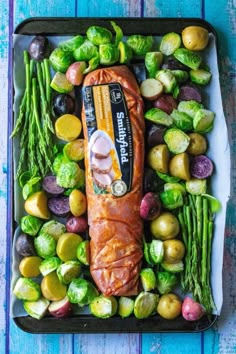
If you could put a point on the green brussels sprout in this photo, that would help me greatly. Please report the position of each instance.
(45, 245)
(175, 185)
(125, 306)
(31, 186)
(91, 294)
(188, 58)
(196, 186)
(58, 161)
(156, 251)
(109, 54)
(153, 61)
(92, 64)
(148, 279)
(81, 292)
(71, 44)
(213, 202)
(167, 178)
(180, 75)
(157, 116)
(146, 252)
(200, 76)
(53, 228)
(140, 44)
(49, 265)
(126, 52)
(203, 121)
(118, 31)
(30, 225)
(182, 120)
(83, 252)
(145, 304)
(27, 289)
(169, 43)
(68, 271)
(176, 140)
(167, 79)
(99, 35)
(69, 175)
(166, 282)
(86, 51)
(104, 306)
(172, 199)
(36, 309)
(60, 59)
(173, 267)
(189, 107)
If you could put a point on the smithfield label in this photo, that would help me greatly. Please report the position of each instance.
(109, 138)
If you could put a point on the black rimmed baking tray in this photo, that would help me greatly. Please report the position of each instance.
(88, 323)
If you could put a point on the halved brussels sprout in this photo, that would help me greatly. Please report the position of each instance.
(172, 199)
(167, 79)
(188, 58)
(173, 267)
(125, 306)
(200, 76)
(86, 51)
(182, 120)
(140, 44)
(53, 228)
(60, 59)
(158, 116)
(153, 61)
(45, 245)
(68, 271)
(30, 225)
(189, 107)
(180, 75)
(27, 289)
(69, 175)
(170, 42)
(156, 251)
(203, 121)
(166, 282)
(196, 186)
(49, 265)
(104, 306)
(125, 53)
(37, 309)
(176, 140)
(99, 35)
(148, 279)
(145, 304)
(109, 54)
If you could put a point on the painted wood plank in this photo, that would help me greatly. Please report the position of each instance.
(172, 8)
(115, 8)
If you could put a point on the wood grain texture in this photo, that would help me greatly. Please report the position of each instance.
(221, 338)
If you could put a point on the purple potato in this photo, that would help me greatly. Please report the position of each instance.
(155, 135)
(150, 207)
(166, 103)
(63, 104)
(201, 167)
(39, 48)
(150, 180)
(59, 205)
(189, 92)
(25, 245)
(77, 224)
(50, 185)
(174, 64)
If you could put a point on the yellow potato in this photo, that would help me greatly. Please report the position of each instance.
(67, 246)
(68, 127)
(29, 266)
(158, 158)
(179, 166)
(77, 202)
(36, 205)
(174, 250)
(165, 226)
(52, 288)
(195, 38)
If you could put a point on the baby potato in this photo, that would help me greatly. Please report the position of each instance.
(77, 202)
(173, 250)
(197, 145)
(195, 38)
(165, 226)
(179, 166)
(158, 158)
(169, 306)
(36, 205)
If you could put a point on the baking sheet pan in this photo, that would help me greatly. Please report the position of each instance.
(87, 323)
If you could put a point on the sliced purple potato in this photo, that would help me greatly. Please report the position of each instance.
(59, 205)
(201, 167)
(50, 185)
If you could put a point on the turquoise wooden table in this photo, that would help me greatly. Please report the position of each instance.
(222, 337)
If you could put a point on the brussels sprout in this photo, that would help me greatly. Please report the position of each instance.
(86, 51)
(31, 186)
(196, 186)
(83, 252)
(140, 44)
(60, 83)
(69, 175)
(166, 282)
(168, 80)
(27, 289)
(125, 53)
(182, 120)
(92, 64)
(81, 292)
(45, 245)
(60, 59)
(53, 228)
(30, 224)
(148, 279)
(146, 252)
(153, 61)
(203, 121)
(125, 306)
(71, 44)
(74, 150)
(214, 203)
(156, 250)
(58, 161)
(172, 198)
(68, 271)
(176, 140)
(145, 304)
(109, 54)
(37, 309)
(200, 76)
(167, 178)
(49, 265)
(173, 267)
(189, 107)
(180, 75)
(99, 35)
(92, 293)
(188, 58)
(104, 306)
(169, 43)
(118, 31)
(156, 115)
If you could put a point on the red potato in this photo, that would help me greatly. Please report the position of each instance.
(166, 103)
(61, 308)
(150, 207)
(74, 73)
(192, 310)
(76, 224)
(151, 89)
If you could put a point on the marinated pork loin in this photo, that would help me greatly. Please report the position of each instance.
(101, 165)
(115, 226)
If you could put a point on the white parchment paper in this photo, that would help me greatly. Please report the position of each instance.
(218, 151)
